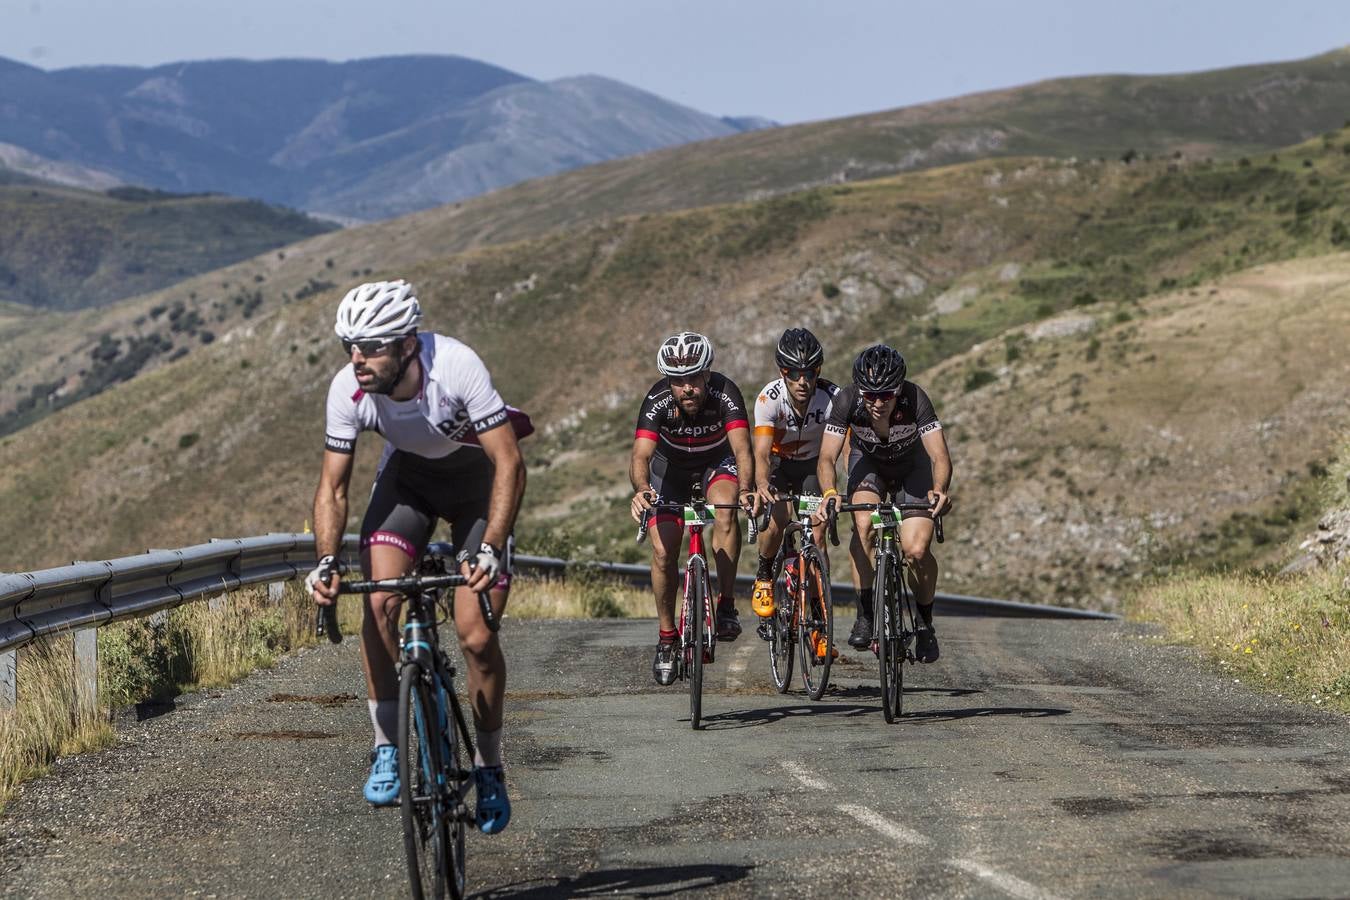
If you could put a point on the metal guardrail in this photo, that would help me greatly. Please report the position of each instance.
(87, 595)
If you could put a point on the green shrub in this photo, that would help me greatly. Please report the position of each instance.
(978, 378)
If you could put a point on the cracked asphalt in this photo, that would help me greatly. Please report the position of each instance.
(1038, 758)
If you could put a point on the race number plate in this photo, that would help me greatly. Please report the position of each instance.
(692, 516)
(807, 506)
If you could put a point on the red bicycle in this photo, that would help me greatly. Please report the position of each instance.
(696, 622)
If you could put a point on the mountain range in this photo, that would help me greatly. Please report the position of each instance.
(359, 140)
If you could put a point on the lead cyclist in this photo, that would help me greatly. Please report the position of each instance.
(450, 453)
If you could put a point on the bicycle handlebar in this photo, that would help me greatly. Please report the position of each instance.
(898, 507)
(752, 527)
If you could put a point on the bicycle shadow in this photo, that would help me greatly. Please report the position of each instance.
(750, 718)
(657, 881)
(873, 691)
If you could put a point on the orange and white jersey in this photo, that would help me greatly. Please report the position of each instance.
(794, 436)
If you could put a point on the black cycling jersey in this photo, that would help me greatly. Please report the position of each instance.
(700, 440)
(912, 419)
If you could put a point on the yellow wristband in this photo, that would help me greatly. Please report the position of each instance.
(830, 493)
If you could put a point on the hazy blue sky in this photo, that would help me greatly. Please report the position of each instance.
(790, 60)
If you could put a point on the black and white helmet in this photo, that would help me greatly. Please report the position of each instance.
(686, 353)
(799, 349)
(380, 309)
(879, 368)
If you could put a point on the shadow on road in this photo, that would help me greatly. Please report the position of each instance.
(949, 715)
(748, 718)
(873, 691)
(657, 881)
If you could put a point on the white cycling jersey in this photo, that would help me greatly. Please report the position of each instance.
(794, 437)
(457, 402)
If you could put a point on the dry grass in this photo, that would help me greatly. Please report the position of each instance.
(47, 722)
(1287, 635)
(582, 595)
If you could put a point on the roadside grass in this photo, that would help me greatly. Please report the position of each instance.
(1289, 635)
(44, 724)
(583, 594)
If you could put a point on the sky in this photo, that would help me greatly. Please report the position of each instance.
(787, 60)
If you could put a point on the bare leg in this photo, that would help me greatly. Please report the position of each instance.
(666, 539)
(726, 538)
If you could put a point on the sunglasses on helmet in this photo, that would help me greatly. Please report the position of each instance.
(371, 347)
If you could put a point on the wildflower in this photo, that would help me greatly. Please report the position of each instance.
(1248, 650)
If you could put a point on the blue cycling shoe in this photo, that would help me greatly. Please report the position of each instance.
(382, 785)
(494, 807)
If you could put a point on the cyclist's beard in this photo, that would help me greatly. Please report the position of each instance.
(684, 404)
(386, 379)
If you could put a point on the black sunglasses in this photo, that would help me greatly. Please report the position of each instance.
(370, 348)
(874, 396)
(799, 374)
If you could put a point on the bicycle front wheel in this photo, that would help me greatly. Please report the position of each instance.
(816, 625)
(426, 815)
(783, 625)
(889, 652)
(696, 608)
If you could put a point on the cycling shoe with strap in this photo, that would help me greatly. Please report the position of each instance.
(382, 785)
(665, 666)
(493, 811)
(728, 623)
(761, 600)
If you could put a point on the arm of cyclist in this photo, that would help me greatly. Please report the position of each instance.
(935, 444)
(831, 445)
(508, 485)
(639, 475)
(330, 516)
(763, 448)
(745, 468)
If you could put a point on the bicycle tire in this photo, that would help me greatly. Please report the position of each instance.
(887, 629)
(816, 601)
(782, 624)
(459, 778)
(426, 831)
(696, 606)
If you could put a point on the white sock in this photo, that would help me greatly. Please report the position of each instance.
(384, 718)
(489, 749)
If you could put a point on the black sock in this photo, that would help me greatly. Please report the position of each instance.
(865, 602)
(765, 569)
(726, 604)
(926, 613)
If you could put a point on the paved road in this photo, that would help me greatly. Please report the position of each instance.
(1037, 759)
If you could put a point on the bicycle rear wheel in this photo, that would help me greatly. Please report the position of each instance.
(696, 606)
(889, 652)
(783, 633)
(816, 623)
(426, 815)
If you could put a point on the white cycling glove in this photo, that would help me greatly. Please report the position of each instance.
(322, 572)
(487, 559)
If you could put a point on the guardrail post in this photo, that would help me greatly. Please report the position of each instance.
(9, 679)
(86, 669)
(275, 591)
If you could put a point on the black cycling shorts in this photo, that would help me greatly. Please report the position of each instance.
(412, 493)
(795, 476)
(907, 481)
(674, 483)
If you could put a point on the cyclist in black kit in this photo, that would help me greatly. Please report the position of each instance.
(692, 425)
(898, 450)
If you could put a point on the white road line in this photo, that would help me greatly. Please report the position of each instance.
(802, 774)
(878, 822)
(1003, 881)
(1009, 884)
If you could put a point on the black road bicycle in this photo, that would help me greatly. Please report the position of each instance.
(895, 615)
(435, 750)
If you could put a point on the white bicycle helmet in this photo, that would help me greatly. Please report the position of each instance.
(380, 309)
(686, 353)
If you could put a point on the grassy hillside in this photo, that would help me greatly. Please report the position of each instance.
(64, 248)
(1020, 289)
